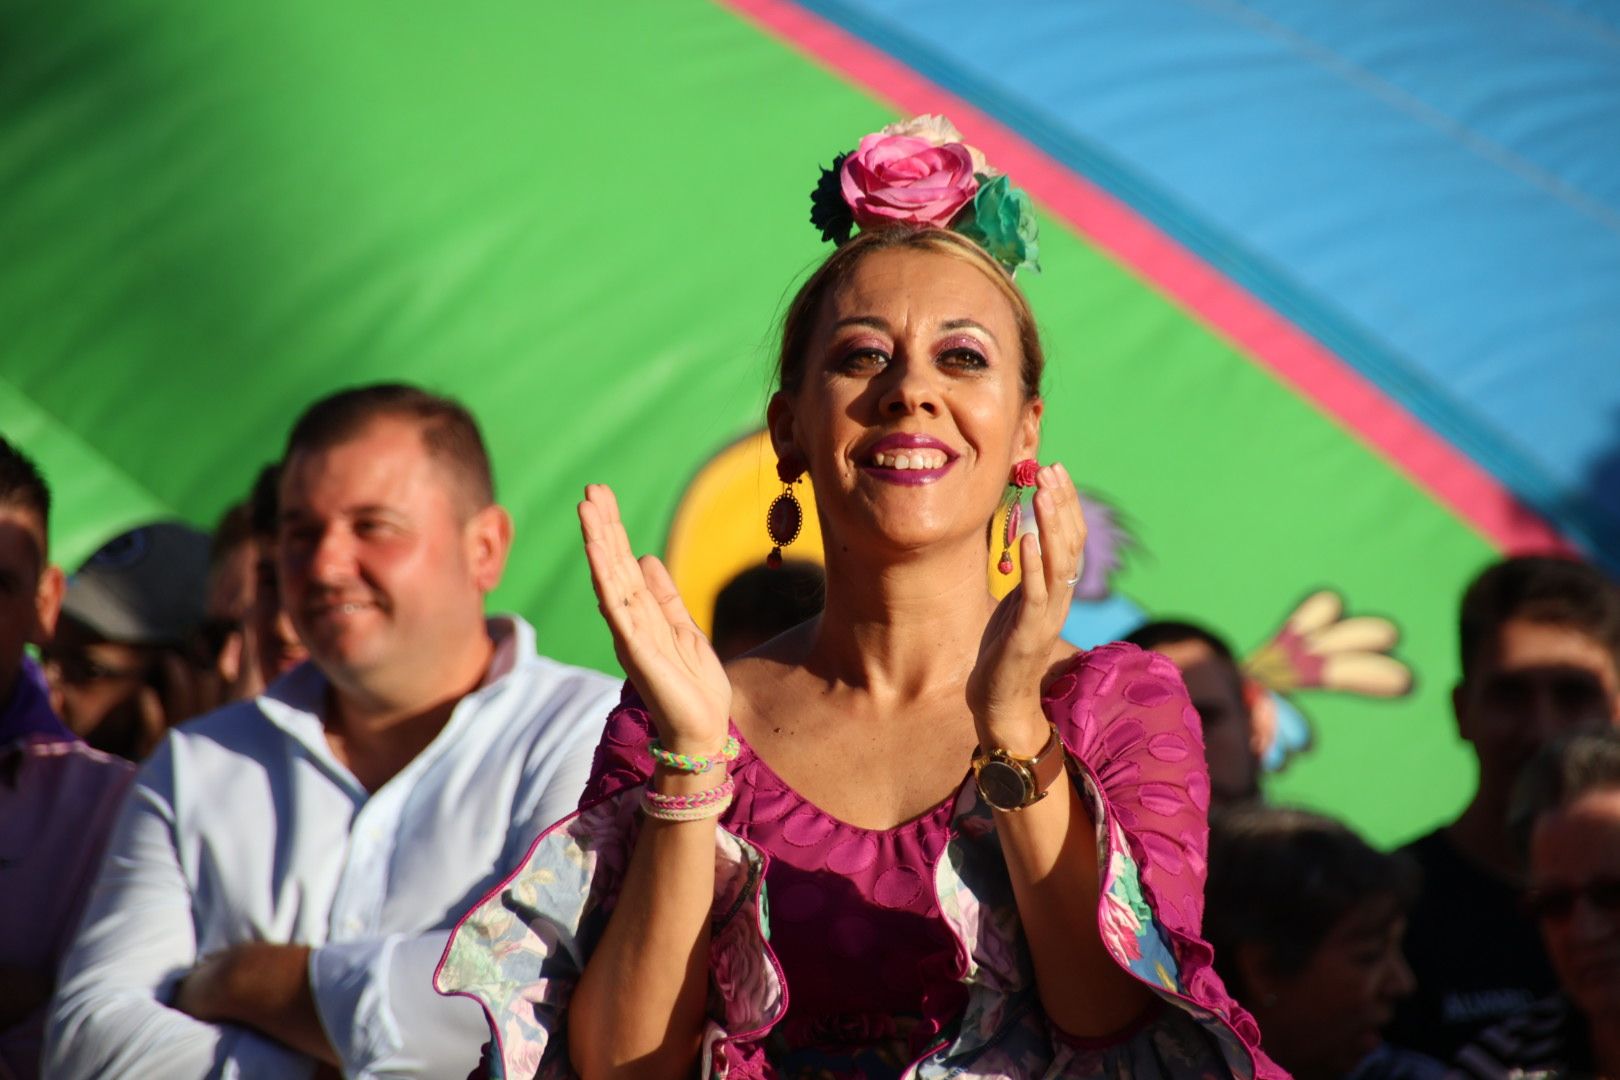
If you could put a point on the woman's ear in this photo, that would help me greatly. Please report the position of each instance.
(779, 423)
(1029, 430)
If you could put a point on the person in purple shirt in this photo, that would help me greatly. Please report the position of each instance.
(58, 797)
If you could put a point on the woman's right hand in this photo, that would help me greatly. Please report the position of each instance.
(666, 656)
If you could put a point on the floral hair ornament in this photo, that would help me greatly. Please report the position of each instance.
(920, 172)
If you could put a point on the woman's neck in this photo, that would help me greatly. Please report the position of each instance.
(902, 627)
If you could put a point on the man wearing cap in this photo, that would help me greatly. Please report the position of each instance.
(285, 874)
(58, 797)
(120, 664)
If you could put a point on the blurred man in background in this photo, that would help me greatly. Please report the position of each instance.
(124, 664)
(1232, 745)
(1567, 812)
(245, 633)
(232, 570)
(57, 796)
(273, 640)
(1540, 651)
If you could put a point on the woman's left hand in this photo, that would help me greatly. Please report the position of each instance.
(1004, 690)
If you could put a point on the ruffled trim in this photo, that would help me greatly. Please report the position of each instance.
(520, 951)
(1141, 779)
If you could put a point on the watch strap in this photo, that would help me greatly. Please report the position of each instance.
(1047, 765)
(1041, 770)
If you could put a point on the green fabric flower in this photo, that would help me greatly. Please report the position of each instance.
(828, 210)
(1003, 223)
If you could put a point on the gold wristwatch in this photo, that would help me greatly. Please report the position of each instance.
(1008, 782)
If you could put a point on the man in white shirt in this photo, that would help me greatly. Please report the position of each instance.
(284, 876)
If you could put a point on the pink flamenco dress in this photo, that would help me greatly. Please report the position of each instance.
(838, 951)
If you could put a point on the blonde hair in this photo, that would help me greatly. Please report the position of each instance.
(799, 322)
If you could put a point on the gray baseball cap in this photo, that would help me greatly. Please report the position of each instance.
(147, 586)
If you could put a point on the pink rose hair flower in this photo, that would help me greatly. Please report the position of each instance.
(921, 172)
(902, 178)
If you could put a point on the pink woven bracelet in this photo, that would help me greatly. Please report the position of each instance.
(696, 800)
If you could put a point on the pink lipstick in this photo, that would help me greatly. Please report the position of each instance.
(909, 459)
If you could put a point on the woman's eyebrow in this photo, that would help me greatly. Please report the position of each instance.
(863, 320)
(877, 323)
(968, 324)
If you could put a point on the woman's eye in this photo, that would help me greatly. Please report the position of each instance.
(863, 360)
(965, 359)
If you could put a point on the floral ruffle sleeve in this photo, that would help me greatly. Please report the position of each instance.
(520, 952)
(1136, 744)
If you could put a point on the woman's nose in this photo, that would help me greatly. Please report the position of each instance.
(911, 389)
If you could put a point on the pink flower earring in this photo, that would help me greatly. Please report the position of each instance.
(1023, 476)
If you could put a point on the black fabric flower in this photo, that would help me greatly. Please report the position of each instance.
(828, 210)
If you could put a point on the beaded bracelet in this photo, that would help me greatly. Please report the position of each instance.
(693, 763)
(693, 807)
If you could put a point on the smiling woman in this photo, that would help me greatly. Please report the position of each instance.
(983, 852)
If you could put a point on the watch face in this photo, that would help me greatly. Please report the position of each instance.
(1003, 785)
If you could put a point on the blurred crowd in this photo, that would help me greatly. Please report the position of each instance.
(250, 779)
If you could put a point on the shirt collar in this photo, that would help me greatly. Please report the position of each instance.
(296, 701)
(29, 711)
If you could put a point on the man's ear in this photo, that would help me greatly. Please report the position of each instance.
(1029, 431)
(1262, 717)
(489, 541)
(47, 605)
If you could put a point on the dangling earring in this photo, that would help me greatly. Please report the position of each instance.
(1023, 476)
(785, 517)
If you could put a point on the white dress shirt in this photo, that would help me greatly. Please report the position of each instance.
(244, 826)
